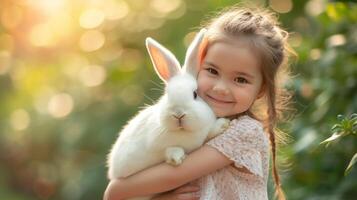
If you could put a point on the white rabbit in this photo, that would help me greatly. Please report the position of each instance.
(177, 124)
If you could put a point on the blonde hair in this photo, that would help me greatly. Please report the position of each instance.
(265, 35)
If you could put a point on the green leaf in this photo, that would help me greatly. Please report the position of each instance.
(354, 116)
(336, 127)
(340, 117)
(352, 162)
(334, 137)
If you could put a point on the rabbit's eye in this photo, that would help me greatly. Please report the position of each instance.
(194, 94)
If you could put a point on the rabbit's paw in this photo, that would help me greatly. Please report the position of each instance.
(222, 124)
(219, 127)
(174, 155)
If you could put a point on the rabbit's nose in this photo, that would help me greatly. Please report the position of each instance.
(179, 115)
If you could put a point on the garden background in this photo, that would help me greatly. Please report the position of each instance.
(73, 72)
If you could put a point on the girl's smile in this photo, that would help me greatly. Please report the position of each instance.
(230, 79)
(219, 102)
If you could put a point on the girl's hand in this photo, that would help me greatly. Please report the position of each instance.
(185, 192)
(110, 192)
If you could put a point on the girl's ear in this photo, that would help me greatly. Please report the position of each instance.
(195, 53)
(165, 63)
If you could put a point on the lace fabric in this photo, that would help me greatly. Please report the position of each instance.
(246, 144)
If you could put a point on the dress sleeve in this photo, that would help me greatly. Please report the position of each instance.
(243, 142)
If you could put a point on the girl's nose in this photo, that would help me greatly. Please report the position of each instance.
(220, 88)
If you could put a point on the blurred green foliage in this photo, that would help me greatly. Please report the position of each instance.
(346, 126)
(73, 72)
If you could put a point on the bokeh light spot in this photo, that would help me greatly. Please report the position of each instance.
(336, 40)
(315, 7)
(42, 35)
(92, 75)
(116, 10)
(164, 6)
(4, 62)
(20, 119)
(60, 105)
(281, 6)
(49, 7)
(91, 18)
(92, 40)
(315, 54)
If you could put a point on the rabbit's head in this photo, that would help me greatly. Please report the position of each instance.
(180, 108)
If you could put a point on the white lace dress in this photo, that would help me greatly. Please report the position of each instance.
(245, 143)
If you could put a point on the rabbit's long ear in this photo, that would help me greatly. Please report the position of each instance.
(165, 63)
(195, 53)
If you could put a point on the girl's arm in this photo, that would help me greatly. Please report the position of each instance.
(164, 177)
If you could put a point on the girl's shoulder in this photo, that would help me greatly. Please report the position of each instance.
(248, 123)
(248, 129)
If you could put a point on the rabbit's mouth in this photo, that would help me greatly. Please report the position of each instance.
(180, 125)
(179, 129)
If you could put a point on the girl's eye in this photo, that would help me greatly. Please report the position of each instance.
(212, 71)
(195, 94)
(240, 80)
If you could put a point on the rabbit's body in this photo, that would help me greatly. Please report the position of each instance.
(143, 142)
(177, 124)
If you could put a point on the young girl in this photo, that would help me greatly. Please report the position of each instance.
(240, 78)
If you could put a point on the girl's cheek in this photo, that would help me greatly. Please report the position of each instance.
(201, 80)
(204, 83)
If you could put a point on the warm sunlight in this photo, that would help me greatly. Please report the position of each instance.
(74, 73)
(49, 7)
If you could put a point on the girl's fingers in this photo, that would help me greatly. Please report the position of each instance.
(188, 196)
(189, 191)
(183, 196)
(187, 188)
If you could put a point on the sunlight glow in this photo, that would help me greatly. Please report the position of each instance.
(42, 35)
(52, 31)
(50, 7)
(6, 42)
(11, 17)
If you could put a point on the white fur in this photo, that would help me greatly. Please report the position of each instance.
(155, 135)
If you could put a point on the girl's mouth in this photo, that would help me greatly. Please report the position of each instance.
(218, 101)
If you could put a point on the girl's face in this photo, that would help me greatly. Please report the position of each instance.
(230, 78)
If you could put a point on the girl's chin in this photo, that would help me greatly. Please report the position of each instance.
(220, 113)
